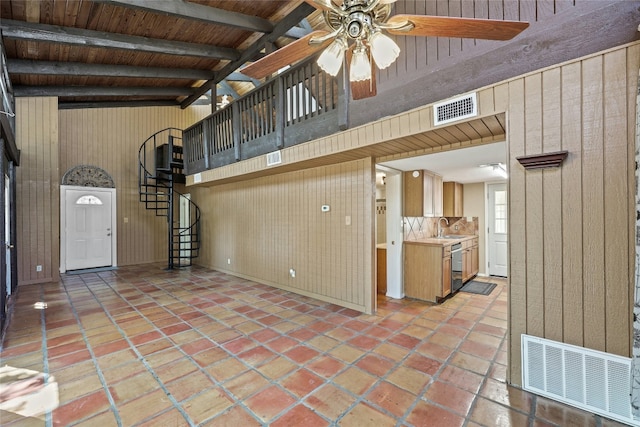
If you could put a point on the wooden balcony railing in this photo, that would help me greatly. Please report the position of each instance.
(300, 104)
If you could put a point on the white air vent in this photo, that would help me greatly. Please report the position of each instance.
(274, 158)
(588, 379)
(455, 109)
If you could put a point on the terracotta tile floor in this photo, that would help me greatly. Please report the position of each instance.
(142, 346)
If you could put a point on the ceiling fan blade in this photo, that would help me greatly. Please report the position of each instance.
(322, 4)
(449, 26)
(286, 55)
(364, 88)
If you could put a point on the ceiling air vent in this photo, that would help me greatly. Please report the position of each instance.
(274, 158)
(455, 109)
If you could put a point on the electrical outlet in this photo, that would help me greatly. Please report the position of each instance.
(347, 220)
(292, 272)
(38, 268)
(229, 261)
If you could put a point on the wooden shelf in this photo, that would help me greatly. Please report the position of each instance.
(539, 161)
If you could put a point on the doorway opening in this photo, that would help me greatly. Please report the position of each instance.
(459, 205)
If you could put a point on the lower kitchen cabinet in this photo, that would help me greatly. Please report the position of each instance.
(427, 271)
(475, 267)
(446, 276)
(469, 259)
(428, 268)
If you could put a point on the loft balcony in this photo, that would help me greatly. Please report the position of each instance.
(301, 104)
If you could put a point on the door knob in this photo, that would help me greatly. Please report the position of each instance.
(108, 234)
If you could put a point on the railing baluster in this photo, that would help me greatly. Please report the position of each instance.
(236, 109)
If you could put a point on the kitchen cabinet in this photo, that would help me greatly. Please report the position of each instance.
(427, 271)
(469, 259)
(475, 268)
(446, 272)
(422, 194)
(452, 199)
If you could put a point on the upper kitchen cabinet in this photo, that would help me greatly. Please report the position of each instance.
(422, 194)
(452, 199)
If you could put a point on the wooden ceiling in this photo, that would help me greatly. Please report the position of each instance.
(142, 52)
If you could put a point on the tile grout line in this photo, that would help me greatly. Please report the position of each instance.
(45, 355)
(241, 402)
(303, 366)
(215, 381)
(112, 402)
(357, 333)
(137, 352)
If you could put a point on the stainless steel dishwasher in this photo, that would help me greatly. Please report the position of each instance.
(456, 267)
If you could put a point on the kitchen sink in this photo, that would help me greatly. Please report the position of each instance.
(451, 236)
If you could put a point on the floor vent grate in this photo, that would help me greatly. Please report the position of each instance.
(455, 109)
(588, 379)
(274, 158)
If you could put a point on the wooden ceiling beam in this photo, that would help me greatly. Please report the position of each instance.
(52, 68)
(115, 104)
(67, 91)
(226, 89)
(75, 36)
(237, 76)
(198, 12)
(291, 20)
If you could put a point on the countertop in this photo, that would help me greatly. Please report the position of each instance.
(435, 241)
(381, 246)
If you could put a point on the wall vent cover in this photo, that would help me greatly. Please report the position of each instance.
(274, 158)
(587, 379)
(455, 109)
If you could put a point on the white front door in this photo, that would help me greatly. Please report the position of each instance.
(497, 226)
(88, 229)
(7, 232)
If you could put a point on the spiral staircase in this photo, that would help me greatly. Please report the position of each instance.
(161, 167)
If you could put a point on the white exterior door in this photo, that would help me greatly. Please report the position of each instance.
(497, 226)
(7, 232)
(88, 227)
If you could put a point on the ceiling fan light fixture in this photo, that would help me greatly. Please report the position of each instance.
(383, 49)
(331, 58)
(360, 65)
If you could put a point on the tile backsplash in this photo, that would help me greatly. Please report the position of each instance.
(423, 227)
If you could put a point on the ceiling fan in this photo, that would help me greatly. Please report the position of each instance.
(357, 34)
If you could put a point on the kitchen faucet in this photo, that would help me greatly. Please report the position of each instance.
(439, 227)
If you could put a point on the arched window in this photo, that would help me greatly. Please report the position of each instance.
(88, 200)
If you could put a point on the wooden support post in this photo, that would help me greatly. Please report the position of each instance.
(280, 105)
(344, 93)
(237, 129)
(207, 137)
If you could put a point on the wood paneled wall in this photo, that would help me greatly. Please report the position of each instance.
(51, 142)
(571, 228)
(110, 139)
(416, 53)
(37, 195)
(262, 228)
